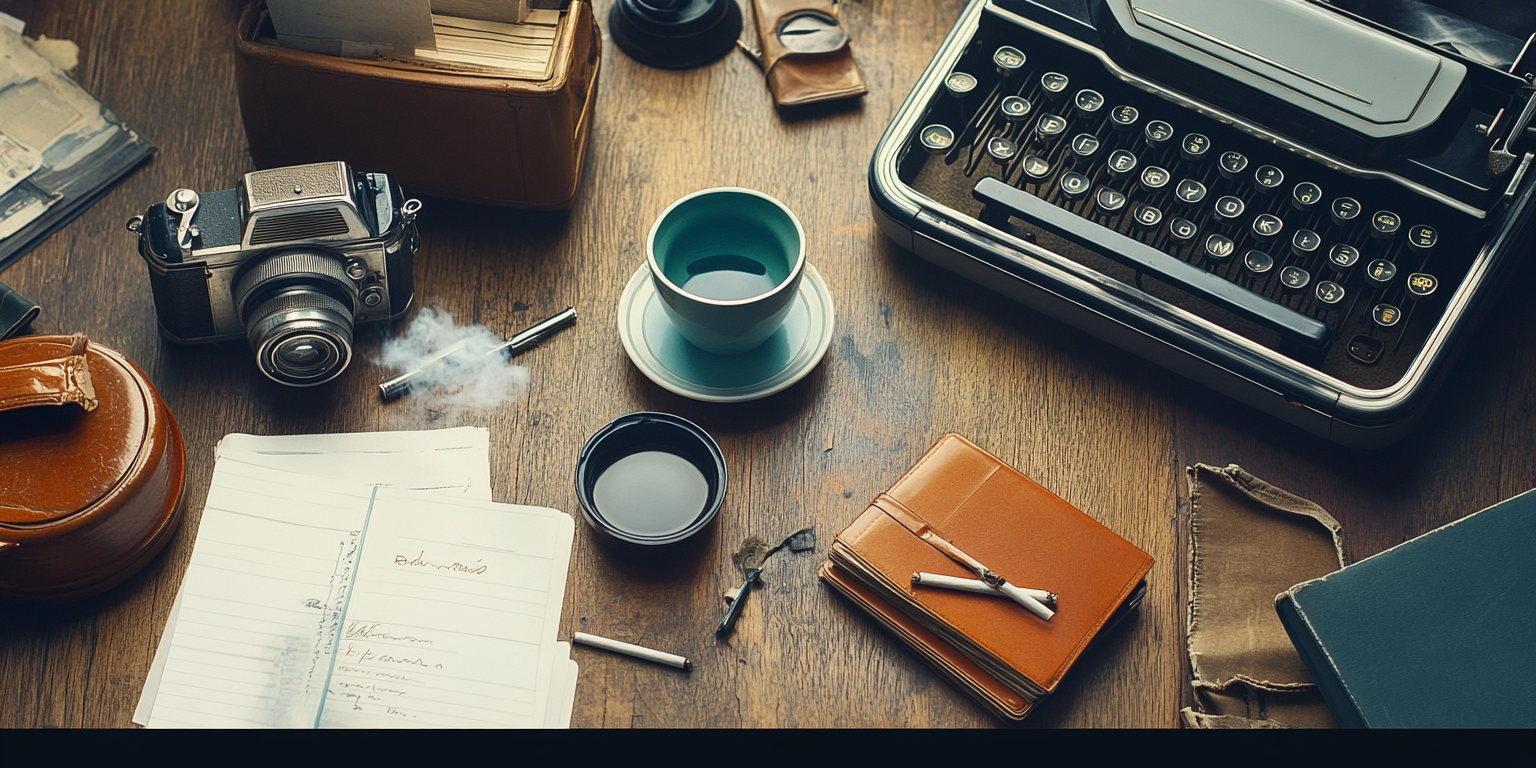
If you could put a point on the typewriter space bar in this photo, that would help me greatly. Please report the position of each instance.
(1293, 325)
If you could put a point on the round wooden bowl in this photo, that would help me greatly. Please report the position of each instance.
(87, 497)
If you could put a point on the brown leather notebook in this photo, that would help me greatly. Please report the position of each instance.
(960, 494)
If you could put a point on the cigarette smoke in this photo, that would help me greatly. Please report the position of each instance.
(463, 381)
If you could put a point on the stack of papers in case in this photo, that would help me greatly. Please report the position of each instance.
(365, 581)
(1003, 655)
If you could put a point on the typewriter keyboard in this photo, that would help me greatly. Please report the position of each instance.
(1345, 273)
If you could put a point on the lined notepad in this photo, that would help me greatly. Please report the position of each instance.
(316, 603)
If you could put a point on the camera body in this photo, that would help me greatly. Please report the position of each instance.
(291, 259)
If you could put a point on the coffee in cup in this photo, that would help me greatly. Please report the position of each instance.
(727, 264)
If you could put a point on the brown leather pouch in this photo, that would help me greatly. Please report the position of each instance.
(483, 138)
(91, 469)
(805, 52)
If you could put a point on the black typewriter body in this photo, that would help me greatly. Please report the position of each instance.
(1287, 203)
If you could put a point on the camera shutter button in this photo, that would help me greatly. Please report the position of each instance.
(357, 269)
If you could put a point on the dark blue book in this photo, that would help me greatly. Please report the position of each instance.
(1438, 632)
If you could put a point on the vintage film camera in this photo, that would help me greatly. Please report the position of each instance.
(290, 259)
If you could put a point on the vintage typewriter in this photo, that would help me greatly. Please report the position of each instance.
(1292, 204)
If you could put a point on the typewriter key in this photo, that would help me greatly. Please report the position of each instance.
(1182, 229)
(1386, 315)
(1268, 178)
(1421, 238)
(1123, 117)
(1258, 262)
(1330, 293)
(1036, 167)
(937, 139)
(1050, 127)
(959, 84)
(1054, 84)
(1189, 191)
(1305, 195)
(1013, 109)
(1155, 180)
(1380, 272)
(1228, 208)
(1366, 349)
(1267, 225)
(1294, 278)
(1147, 216)
(1218, 248)
(1121, 163)
(1084, 145)
(1305, 243)
(1001, 150)
(1232, 164)
(1194, 146)
(1088, 102)
(1009, 60)
(1157, 133)
(1345, 210)
(1421, 286)
(1384, 225)
(1343, 257)
(1074, 185)
(1109, 200)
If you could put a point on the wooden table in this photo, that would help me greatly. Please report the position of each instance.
(917, 353)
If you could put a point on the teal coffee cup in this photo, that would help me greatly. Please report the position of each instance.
(727, 264)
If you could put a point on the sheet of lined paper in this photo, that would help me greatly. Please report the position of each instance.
(268, 634)
(450, 623)
(450, 461)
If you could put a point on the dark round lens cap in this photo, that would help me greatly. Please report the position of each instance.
(675, 34)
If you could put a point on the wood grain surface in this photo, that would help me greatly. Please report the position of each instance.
(917, 353)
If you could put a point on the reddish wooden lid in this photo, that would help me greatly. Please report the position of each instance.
(56, 460)
(91, 468)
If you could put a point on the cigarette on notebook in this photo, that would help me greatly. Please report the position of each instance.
(978, 586)
(630, 649)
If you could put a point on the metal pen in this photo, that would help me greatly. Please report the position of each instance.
(630, 649)
(522, 342)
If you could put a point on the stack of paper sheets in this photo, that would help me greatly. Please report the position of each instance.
(365, 580)
(515, 50)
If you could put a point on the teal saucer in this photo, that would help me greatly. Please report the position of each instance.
(665, 357)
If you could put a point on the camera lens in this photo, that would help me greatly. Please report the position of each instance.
(298, 308)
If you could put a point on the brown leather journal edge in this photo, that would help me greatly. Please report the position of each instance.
(938, 654)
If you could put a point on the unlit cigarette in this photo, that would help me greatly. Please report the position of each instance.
(630, 649)
(1047, 599)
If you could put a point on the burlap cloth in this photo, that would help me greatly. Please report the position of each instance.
(1250, 541)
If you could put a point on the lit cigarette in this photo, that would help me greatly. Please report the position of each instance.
(1047, 599)
(630, 649)
(512, 347)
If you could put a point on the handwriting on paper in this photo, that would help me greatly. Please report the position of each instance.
(421, 561)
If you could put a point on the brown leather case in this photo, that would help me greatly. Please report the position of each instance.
(1013, 526)
(942, 656)
(475, 137)
(797, 78)
(91, 469)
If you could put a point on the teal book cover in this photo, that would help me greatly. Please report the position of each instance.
(1437, 632)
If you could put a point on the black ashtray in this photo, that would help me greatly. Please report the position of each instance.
(650, 480)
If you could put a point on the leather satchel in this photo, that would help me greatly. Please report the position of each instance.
(959, 501)
(483, 138)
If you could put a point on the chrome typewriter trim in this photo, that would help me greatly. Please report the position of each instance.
(1147, 326)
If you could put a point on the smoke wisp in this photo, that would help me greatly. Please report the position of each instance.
(457, 374)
